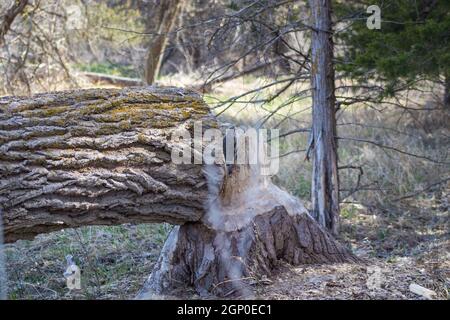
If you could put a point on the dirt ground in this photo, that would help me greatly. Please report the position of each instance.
(376, 280)
(409, 244)
(405, 244)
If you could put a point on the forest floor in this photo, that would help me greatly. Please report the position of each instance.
(408, 244)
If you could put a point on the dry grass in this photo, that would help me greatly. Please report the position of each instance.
(387, 173)
(114, 262)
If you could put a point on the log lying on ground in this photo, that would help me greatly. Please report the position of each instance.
(103, 157)
(97, 157)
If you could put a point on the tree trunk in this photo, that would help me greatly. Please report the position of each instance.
(97, 156)
(447, 93)
(101, 156)
(169, 11)
(248, 231)
(229, 263)
(325, 183)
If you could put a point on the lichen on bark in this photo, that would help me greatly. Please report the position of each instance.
(97, 156)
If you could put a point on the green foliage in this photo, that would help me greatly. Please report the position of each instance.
(349, 212)
(413, 42)
(303, 189)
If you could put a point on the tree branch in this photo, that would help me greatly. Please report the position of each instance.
(16, 9)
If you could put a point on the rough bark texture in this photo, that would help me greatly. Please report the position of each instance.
(225, 263)
(325, 183)
(447, 93)
(100, 156)
(169, 10)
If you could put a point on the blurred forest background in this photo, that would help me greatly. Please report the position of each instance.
(252, 61)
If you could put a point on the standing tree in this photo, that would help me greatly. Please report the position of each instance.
(325, 183)
(168, 13)
(280, 27)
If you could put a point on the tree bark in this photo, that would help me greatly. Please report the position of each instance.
(169, 11)
(98, 156)
(447, 93)
(325, 183)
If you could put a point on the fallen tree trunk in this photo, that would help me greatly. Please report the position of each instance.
(97, 157)
(94, 157)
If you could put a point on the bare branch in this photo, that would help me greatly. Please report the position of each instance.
(16, 9)
(430, 186)
(393, 149)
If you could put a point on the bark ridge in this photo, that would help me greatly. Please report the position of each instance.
(97, 156)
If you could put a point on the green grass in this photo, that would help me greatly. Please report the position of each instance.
(114, 261)
(349, 212)
(303, 189)
(109, 68)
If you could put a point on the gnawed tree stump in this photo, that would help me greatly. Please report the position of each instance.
(251, 226)
(97, 157)
(228, 263)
